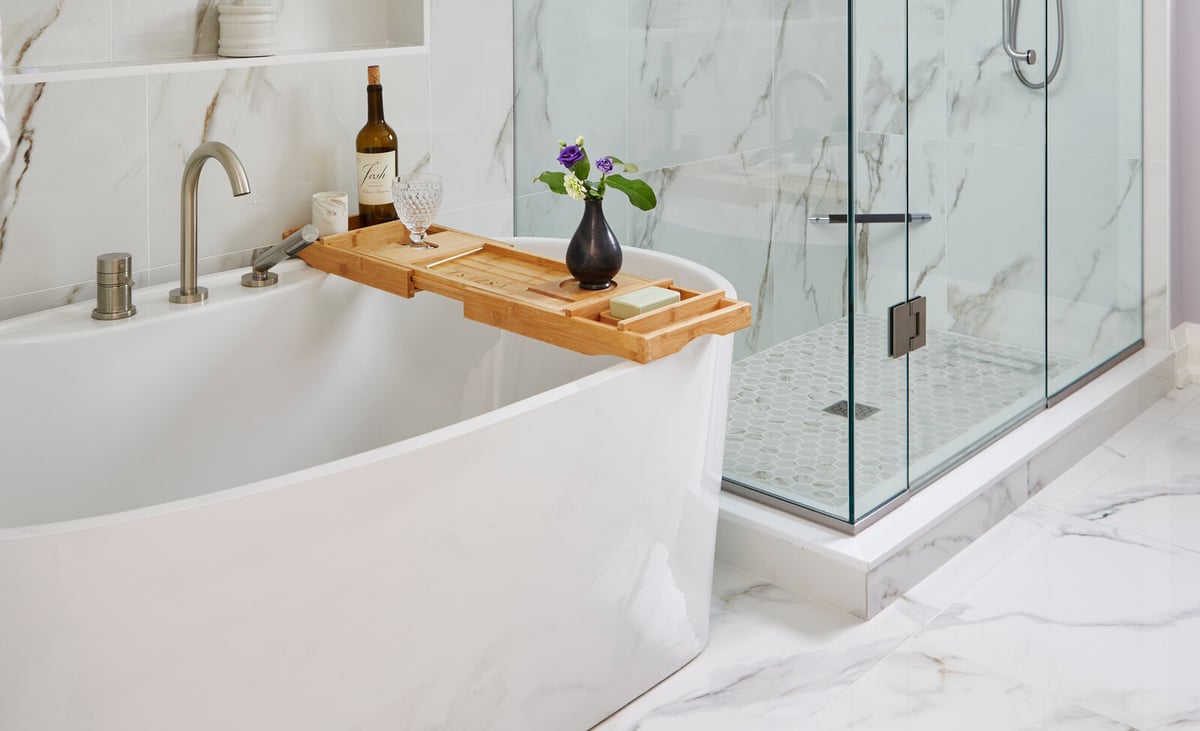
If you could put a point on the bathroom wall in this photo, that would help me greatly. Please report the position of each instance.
(744, 150)
(105, 102)
(1186, 164)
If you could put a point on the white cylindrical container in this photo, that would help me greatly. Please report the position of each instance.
(246, 30)
(330, 211)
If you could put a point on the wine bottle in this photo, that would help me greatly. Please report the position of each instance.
(376, 146)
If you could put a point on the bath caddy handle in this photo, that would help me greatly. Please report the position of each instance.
(524, 293)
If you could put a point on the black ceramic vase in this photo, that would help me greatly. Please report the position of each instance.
(594, 254)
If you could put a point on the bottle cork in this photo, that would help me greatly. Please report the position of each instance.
(373, 75)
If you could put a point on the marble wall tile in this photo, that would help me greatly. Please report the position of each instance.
(810, 92)
(700, 79)
(488, 219)
(985, 101)
(927, 72)
(245, 107)
(472, 100)
(880, 71)
(810, 261)
(55, 32)
(70, 191)
(570, 83)
(927, 245)
(995, 253)
(719, 213)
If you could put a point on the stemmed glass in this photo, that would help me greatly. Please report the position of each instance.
(417, 199)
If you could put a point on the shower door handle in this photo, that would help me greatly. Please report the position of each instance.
(872, 218)
(1009, 36)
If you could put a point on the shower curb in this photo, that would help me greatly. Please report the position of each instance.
(861, 574)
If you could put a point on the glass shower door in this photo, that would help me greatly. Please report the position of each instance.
(977, 107)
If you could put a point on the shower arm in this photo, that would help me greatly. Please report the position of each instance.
(1009, 36)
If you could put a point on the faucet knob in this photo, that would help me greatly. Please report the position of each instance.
(114, 286)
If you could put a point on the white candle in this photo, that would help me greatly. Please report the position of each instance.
(330, 212)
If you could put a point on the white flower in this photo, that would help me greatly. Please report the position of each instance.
(574, 187)
(579, 140)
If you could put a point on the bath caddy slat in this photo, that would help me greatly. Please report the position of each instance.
(524, 293)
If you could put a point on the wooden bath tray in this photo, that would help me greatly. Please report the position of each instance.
(524, 293)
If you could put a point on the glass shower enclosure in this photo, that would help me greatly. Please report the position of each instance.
(934, 207)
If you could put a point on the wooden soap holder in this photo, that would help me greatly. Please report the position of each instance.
(524, 293)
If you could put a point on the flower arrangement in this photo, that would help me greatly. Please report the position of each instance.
(574, 182)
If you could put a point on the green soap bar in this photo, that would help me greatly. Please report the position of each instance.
(643, 300)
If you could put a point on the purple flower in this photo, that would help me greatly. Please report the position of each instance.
(604, 165)
(570, 155)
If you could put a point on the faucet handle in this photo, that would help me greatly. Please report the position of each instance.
(114, 285)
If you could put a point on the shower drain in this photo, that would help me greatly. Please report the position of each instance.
(842, 409)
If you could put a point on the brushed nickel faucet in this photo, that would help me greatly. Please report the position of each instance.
(188, 293)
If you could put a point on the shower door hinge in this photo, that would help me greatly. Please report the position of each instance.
(907, 331)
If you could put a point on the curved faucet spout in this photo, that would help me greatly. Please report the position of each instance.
(188, 293)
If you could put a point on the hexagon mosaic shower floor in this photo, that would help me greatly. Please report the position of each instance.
(782, 439)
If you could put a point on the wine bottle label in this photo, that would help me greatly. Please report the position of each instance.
(376, 171)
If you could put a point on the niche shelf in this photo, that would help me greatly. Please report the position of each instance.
(115, 69)
(380, 29)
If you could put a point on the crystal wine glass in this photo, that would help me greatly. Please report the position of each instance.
(417, 199)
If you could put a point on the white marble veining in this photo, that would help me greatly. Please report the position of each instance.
(1049, 621)
(58, 32)
(241, 107)
(293, 126)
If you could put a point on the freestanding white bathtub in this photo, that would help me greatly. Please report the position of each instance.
(320, 506)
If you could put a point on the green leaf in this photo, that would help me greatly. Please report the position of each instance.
(627, 166)
(554, 180)
(583, 168)
(640, 194)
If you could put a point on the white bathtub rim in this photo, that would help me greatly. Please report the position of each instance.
(231, 280)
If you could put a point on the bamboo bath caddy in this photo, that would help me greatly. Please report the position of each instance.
(530, 295)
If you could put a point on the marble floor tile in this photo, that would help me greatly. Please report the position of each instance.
(1101, 617)
(920, 687)
(1188, 414)
(773, 659)
(1070, 484)
(1154, 491)
(1081, 610)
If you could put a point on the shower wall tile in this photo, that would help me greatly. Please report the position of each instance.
(985, 102)
(880, 49)
(879, 254)
(56, 32)
(995, 243)
(719, 213)
(73, 187)
(472, 98)
(570, 84)
(1094, 274)
(244, 107)
(692, 60)
(927, 97)
(1095, 101)
(810, 260)
(809, 97)
(928, 270)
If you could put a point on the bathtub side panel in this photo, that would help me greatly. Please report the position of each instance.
(535, 573)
